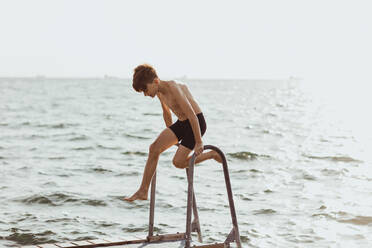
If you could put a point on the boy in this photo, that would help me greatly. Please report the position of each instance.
(189, 128)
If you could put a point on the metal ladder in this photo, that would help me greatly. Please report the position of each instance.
(194, 226)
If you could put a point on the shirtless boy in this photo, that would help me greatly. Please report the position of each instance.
(189, 128)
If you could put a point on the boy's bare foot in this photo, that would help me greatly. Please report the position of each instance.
(139, 195)
(217, 157)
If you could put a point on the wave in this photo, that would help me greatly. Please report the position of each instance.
(26, 123)
(308, 176)
(57, 126)
(100, 170)
(330, 172)
(136, 136)
(108, 148)
(28, 238)
(344, 159)
(59, 199)
(125, 174)
(246, 155)
(105, 224)
(37, 136)
(244, 239)
(65, 175)
(83, 148)
(152, 114)
(26, 216)
(142, 154)
(51, 199)
(52, 184)
(63, 220)
(95, 203)
(57, 158)
(79, 138)
(135, 229)
(264, 211)
(358, 220)
(243, 197)
(37, 199)
(341, 217)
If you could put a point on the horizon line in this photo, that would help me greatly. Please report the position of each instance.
(126, 78)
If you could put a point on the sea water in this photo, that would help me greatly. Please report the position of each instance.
(71, 149)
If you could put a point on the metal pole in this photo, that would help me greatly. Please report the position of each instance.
(190, 199)
(152, 206)
(196, 220)
(229, 193)
(195, 224)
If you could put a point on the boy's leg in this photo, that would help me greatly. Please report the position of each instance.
(181, 158)
(165, 140)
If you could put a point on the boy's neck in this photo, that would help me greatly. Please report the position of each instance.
(161, 87)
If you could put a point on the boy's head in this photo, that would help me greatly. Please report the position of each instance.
(143, 75)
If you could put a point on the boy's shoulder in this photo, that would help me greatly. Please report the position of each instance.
(178, 84)
(175, 85)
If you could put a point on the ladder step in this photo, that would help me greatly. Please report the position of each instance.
(217, 245)
(166, 237)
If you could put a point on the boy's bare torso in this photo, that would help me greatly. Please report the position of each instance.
(173, 103)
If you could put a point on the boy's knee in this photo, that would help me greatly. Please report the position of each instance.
(154, 149)
(180, 164)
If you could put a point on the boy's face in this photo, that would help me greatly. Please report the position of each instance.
(151, 89)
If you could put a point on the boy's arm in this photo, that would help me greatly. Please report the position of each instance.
(167, 115)
(191, 116)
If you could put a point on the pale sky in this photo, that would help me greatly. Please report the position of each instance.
(193, 38)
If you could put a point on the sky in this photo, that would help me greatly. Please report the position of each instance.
(319, 40)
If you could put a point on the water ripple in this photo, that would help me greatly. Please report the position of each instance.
(28, 238)
(138, 153)
(108, 148)
(264, 211)
(246, 155)
(345, 159)
(86, 148)
(59, 199)
(136, 137)
(358, 220)
(79, 138)
(57, 126)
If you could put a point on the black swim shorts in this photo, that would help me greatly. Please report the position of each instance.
(183, 131)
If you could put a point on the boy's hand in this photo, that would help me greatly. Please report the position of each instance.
(198, 148)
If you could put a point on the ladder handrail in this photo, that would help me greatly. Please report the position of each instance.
(152, 205)
(191, 204)
(235, 231)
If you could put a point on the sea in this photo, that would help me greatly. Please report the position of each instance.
(298, 157)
